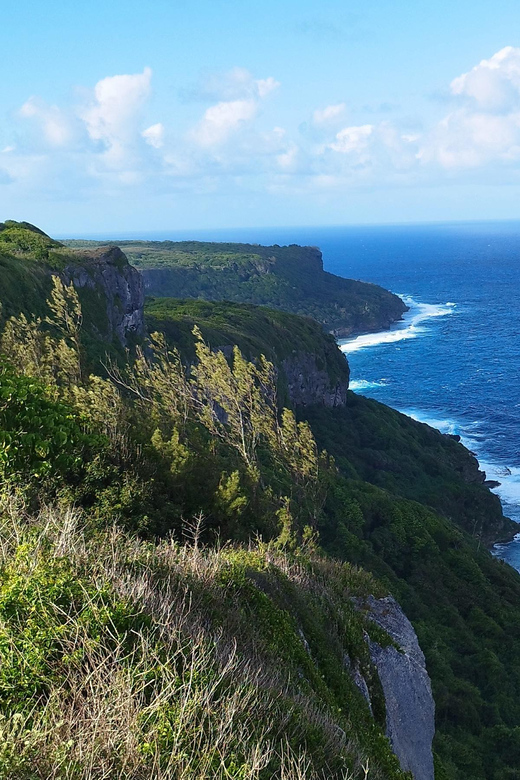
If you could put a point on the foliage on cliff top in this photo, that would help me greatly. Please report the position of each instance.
(255, 330)
(28, 257)
(29, 260)
(289, 278)
(27, 242)
(376, 444)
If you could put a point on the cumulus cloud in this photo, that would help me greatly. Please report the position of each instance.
(352, 139)
(288, 160)
(154, 135)
(221, 120)
(116, 101)
(226, 117)
(323, 116)
(265, 86)
(484, 126)
(493, 85)
(234, 84)
(110, 141)
(100, 139)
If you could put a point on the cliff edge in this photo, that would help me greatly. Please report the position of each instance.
(290, 278)
(118, 288)
(410, 709)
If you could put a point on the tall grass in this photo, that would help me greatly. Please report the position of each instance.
(184, 690)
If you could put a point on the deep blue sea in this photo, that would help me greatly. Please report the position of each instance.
(455, 360)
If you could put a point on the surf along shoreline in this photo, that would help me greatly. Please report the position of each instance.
(503, 481)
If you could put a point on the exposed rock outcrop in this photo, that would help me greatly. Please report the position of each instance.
(307, 384)
(106, 271)
(410, 709)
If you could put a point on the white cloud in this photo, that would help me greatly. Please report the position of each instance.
(103, 139)
(223, 119)
(112, 118)
(484, 128)
(154, 135)
(323, 116)
(288, 160)
(234, 84)
(117, 100)
(109, 142)
(352, 139)
(56, 126)
(265, 86)
(226, 117)
(493, 85)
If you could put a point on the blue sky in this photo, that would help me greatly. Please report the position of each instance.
(185, 114)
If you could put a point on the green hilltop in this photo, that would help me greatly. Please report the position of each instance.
(191, 555)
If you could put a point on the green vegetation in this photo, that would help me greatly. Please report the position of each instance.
(376, 444)
(179, 557)
(128, 658)
(255, 330)
(289, 278)
(30, 260)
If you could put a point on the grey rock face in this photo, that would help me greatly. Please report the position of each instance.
(358, 679)
(307, 384)
(410, 709)
(107, 271)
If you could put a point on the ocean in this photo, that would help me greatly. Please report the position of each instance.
(454, 362)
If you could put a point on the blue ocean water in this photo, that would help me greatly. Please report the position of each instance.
(455, 360)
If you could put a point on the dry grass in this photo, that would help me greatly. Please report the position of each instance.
(185, 700)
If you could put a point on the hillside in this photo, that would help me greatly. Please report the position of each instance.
(192, 587)
(311, 369)
(110, 290)
(281, 277)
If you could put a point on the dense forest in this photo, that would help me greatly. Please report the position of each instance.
(187, 554)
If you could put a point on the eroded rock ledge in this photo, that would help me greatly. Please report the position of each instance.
(307, 384)
(107, 272)
(410, 709)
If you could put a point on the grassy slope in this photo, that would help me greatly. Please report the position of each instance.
(289, 278)
(419, 527)
(166, 661)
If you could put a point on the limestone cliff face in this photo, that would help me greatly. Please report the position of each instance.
(117, 295)
(410, 709)
(308, 384)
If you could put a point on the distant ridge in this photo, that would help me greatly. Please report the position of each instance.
(290, 278)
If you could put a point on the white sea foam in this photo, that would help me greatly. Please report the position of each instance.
(469, 432)
(509, 489)
(365, 384)
(411, 326)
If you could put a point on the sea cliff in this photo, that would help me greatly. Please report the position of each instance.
(290, 278)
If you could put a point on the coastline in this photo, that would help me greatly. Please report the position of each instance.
(409, 326)
(504, 481)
